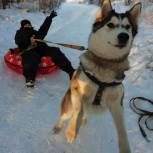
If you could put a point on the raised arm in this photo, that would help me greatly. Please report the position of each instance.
(42, 32)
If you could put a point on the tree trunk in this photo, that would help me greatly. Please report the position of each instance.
(4, 3)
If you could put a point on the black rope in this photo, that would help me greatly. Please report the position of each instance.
(145, 115)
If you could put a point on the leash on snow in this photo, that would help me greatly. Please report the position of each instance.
(81, 48)
(144, 115)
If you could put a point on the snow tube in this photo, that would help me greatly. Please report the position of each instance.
(14, 61)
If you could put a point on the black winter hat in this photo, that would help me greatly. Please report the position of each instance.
(24, 22)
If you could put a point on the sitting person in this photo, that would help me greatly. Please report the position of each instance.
(32, 50)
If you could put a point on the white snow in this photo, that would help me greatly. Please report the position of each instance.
(27, 116)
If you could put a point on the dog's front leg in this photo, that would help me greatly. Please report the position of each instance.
(113, 100)
(66, 108)
(76, 117)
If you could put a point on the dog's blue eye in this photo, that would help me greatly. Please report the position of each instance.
(111, 25)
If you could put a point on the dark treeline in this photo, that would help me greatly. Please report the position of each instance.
(52, 4)
(42, 4)
(7, 3)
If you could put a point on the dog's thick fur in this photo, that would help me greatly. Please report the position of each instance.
(106, 60)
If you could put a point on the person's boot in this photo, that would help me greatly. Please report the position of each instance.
(30, 83)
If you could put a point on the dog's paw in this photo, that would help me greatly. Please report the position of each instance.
(56, 129)
(125, 149)
(70, 135)
(84, 121)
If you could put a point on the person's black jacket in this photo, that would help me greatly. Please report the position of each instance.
(23, 35)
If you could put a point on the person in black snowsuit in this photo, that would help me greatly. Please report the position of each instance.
(32, 50)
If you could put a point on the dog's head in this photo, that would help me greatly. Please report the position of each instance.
(113, 33)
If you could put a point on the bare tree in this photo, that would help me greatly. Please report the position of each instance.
(0, 3)
(46, 5)
(5, 3)
(97, 2)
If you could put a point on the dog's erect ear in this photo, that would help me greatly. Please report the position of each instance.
(135, 13)
(105, 8)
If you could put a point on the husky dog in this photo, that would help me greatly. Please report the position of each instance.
(99, 77)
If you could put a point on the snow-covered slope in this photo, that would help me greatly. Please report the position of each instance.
(27, 116)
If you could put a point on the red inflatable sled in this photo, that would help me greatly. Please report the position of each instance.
(13, 61)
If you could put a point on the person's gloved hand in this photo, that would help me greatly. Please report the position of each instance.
(53, 14)
(33, 40)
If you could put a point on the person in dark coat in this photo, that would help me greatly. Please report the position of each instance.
(32, 50)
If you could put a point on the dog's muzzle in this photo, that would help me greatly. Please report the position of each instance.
(122, 39)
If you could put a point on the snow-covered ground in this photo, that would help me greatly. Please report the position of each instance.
(27, 116)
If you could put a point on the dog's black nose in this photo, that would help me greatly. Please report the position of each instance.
(123, 38)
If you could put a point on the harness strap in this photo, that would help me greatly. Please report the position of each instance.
(98, 95)
(101, 86)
